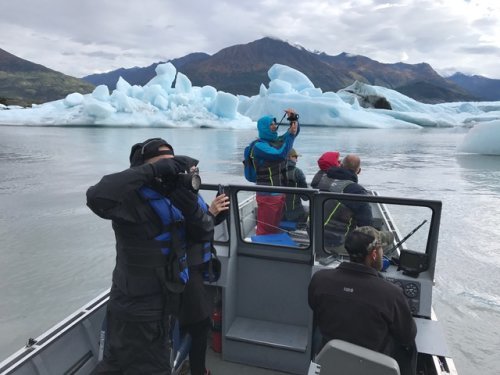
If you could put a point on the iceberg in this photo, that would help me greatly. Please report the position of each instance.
(170, 100)
(483, 138)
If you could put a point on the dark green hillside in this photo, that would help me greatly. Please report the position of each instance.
(25, 83)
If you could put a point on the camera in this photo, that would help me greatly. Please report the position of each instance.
(293, 117)
(190, 181)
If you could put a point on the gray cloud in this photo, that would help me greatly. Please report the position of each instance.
(101, 35)
(481, 50)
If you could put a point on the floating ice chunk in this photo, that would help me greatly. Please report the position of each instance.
(73, 99)
(151, 92)
(208, 92)
(161, 102)
(97, 109)
(312, 92)
(101, 93)
(298, 80)
(225, 105)
(165, 75)
(278, 86)
(182, 84)
(483, 138)
(122, 85)
(262, 90)
(121, 102)
(136, 92)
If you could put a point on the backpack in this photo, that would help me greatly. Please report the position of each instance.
(249, 163)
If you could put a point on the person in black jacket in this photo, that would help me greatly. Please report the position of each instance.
(354, 303)
(194, 315)
(294, 209)
(342, 216)
(156, 218)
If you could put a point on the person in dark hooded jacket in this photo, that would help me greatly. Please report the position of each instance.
(341, 217)
(156, 222)
(294, 209)
(270, 154)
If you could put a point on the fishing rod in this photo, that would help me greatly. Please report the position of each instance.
(405, 238)
(283, 230)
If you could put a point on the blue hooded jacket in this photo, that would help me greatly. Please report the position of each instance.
(263, 126)
(280, 147)
(270, 151)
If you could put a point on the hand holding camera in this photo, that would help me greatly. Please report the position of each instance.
(187, 163)
(166, 167)
(293, 117)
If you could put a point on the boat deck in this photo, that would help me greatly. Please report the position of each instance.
(266, 322)
(217, 366)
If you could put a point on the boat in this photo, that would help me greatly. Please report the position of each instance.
(267, 325)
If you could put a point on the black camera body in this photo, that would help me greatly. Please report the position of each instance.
(190, 181)
(293, 117)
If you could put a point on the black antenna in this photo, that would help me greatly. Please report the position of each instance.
(279, 123)
(405, 238)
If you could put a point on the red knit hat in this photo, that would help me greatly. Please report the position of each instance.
(329, 159)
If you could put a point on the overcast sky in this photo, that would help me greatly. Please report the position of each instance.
(83, 37)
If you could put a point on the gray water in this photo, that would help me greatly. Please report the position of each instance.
(56, 255)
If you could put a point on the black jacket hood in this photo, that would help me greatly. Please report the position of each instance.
(339, 173)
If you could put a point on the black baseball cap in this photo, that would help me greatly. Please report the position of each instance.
(140, 152)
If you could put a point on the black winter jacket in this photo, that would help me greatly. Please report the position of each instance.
(362, 210)
(138, 297)
(354, 303)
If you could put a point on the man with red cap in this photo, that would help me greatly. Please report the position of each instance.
(326, 161)
(343, 216)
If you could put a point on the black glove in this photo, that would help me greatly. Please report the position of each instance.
(166, 168)
(185, 200)
(186, 162)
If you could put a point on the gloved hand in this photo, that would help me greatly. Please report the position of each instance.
(186, 162)
(184, 200)
(166, 168)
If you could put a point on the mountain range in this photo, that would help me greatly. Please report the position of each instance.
(240, 69)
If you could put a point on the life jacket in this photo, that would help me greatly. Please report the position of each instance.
(271, 172)
(204, 254)
(166, 255)
(195, 254)
(338, 218)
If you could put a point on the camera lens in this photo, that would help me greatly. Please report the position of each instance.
(190, 181)
(195, 182)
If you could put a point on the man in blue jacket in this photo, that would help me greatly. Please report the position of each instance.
(270, 154)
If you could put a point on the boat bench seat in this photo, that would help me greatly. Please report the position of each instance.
(281, 239)
(341, 357)
(267, 333)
